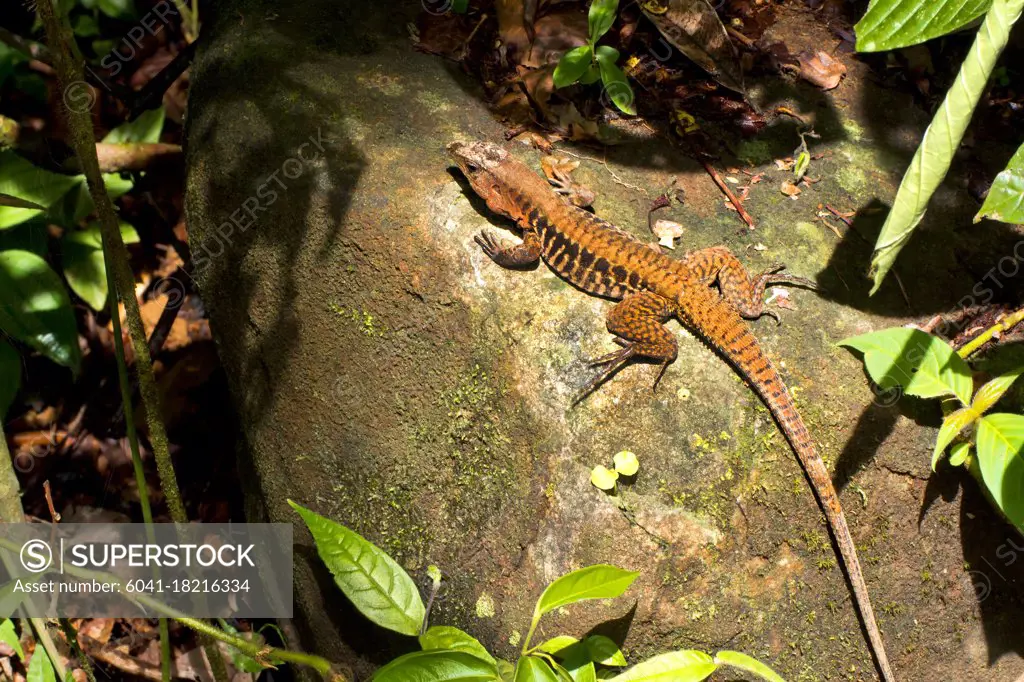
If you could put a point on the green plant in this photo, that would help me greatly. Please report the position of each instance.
(35, 308)
(383, 592)
(925, 366)
(890, 24)
(592, 62)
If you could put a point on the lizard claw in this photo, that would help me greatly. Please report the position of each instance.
(614, 361)
(489, 242)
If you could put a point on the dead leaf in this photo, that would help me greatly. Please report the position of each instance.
(789, 189)
(821, 69)
(781, 298)
(693, 28)
(558, 170)
(667, 231)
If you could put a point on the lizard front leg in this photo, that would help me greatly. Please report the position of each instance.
(742, 291)
(507, 253)
(638, 322)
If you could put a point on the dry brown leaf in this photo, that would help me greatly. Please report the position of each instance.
(789, 189)
(667, 231)
(821, 69)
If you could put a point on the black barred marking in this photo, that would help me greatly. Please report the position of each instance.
(533, 216)
(634, 280)
(557, 243)
(601, 266)
(586, 260)
(619, 274)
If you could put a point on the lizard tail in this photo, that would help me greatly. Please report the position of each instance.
(726, 332)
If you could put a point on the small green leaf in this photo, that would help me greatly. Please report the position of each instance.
(748, 664)
(593, 582)
(952, 425)
(460, 6)
(626, 463)
(533, 669)
(603, 478)
(117, 9)
(85, 26)
(572, 66)
(603, 650)
(454, 639)
(601, 17)
(803, 160)
(616, 85)
(9, 637)
(506, 671)
(556, 644)
(678, 666)
(592, 75)
(19, 178)
(375, 584)
(35, 308)
(889, 24)
(10, 377)
(958, 453)
(989, 394)
(40, 669)
(146, 128)
(437, 666)
(1005, 200)
(82, 257)
(1000, 439)
(924, 365)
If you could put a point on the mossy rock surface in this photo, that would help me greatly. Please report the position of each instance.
(389, 376)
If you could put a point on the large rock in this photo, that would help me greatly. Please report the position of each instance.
(389, 376)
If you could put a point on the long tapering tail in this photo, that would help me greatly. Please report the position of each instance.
(726, 332)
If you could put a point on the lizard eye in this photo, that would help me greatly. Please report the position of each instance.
(472, 167)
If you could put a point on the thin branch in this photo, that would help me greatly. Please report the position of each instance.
(1005, 324)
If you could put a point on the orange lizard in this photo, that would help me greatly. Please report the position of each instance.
(603, 260)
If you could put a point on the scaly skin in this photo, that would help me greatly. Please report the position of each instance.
(603, 260)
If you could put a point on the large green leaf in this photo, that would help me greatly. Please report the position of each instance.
(372, 580)
(751, 665)
(82, 257)
(678, 666)
(9, 637)
(35, 308)
(437, 666)
(21, 179)
(1005, 200)
(40, 669)
(889, 24)
(616, 85)
(454, 639)
(924, 365)
(941, 139)
(604, 650)
(601, 17)
(532, 669)
(557, 644)
(146, 128)
(10, 376)
(1000, 439)
(572, 66)
(593, 582)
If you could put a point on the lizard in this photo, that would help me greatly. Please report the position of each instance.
(651, 288)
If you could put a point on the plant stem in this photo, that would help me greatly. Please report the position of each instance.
(1008, 322)
(72, 636)
(10, 500)
(529, 634)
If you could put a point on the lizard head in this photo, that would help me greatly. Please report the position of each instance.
(481, 163)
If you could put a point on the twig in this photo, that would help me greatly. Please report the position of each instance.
(615, 177)
(1007, 323)
(49, 502)
(747, 42)
(728, 193)
(152, 93)
(842, 216)
(72, 636)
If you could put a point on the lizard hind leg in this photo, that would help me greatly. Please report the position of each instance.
(507, 253)
(638, 323)
(742, 291)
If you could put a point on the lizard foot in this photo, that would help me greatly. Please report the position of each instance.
(615, 361)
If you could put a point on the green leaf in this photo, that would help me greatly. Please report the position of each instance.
(1005, 200)
(437, 666)
(9, 637)
(593, 582)
(616, 85)
(924, 365)
(601, 17)
(626, 463)
(678, 666)
(941, 139)
(146, 128)
(454, 639)
(19, 178)
(572, 66)
(557, 644)
(506, 671)
(460, 6)
(1000, 438)
(958, 453)
(803, 160)
(748, 664)
(83, 205)
(85, 26)
(40, 669)
(603, 478)
(117, 9)
(592, 75)
(576, 660)
(242, 661)
(532, 669)
(989, 394)
(372, 580)
(10, 378)
(82, 257)
(889, 24)
(603, 650)
(952, 425)
(35, 308)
